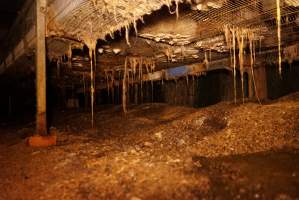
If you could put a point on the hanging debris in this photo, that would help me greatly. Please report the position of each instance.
(92, 89)
(234, 64)
(91, 41)
(131, 76)
(250, 36)
(127, 29)
(240, 38)
(177, 8)
(168, 53)
(206, 60)
(278, 20)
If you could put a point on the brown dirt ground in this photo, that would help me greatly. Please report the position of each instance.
(158, 151)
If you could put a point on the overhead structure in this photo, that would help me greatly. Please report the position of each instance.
(172, 33)
(86, 21)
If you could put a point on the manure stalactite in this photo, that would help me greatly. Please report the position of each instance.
(92, 85)
(278, 20)
(237, 38)
(252, 61)
(234, 63)
(240, 38)
(91, 42)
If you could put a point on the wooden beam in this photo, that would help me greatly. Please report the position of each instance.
(41, 116)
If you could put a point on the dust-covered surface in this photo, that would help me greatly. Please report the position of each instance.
(225, 151)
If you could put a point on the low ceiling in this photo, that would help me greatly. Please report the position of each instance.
(200, 28)
(172, 32)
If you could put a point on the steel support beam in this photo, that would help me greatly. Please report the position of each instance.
(41, 116)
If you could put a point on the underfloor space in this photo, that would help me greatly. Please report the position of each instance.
(157, 151)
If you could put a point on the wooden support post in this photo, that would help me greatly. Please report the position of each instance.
(251, 92)
(261, 82)
(124, 91)
(41, 117)
(112, 94)
(41, 139)
(136, 93)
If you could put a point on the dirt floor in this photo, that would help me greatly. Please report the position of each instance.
(158, 151)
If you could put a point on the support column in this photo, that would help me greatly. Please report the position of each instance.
(124, 90)
(136, 93)
(261, 82)
(41, 117)
(251, 90)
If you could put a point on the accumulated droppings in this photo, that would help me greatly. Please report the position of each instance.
(225, 151)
